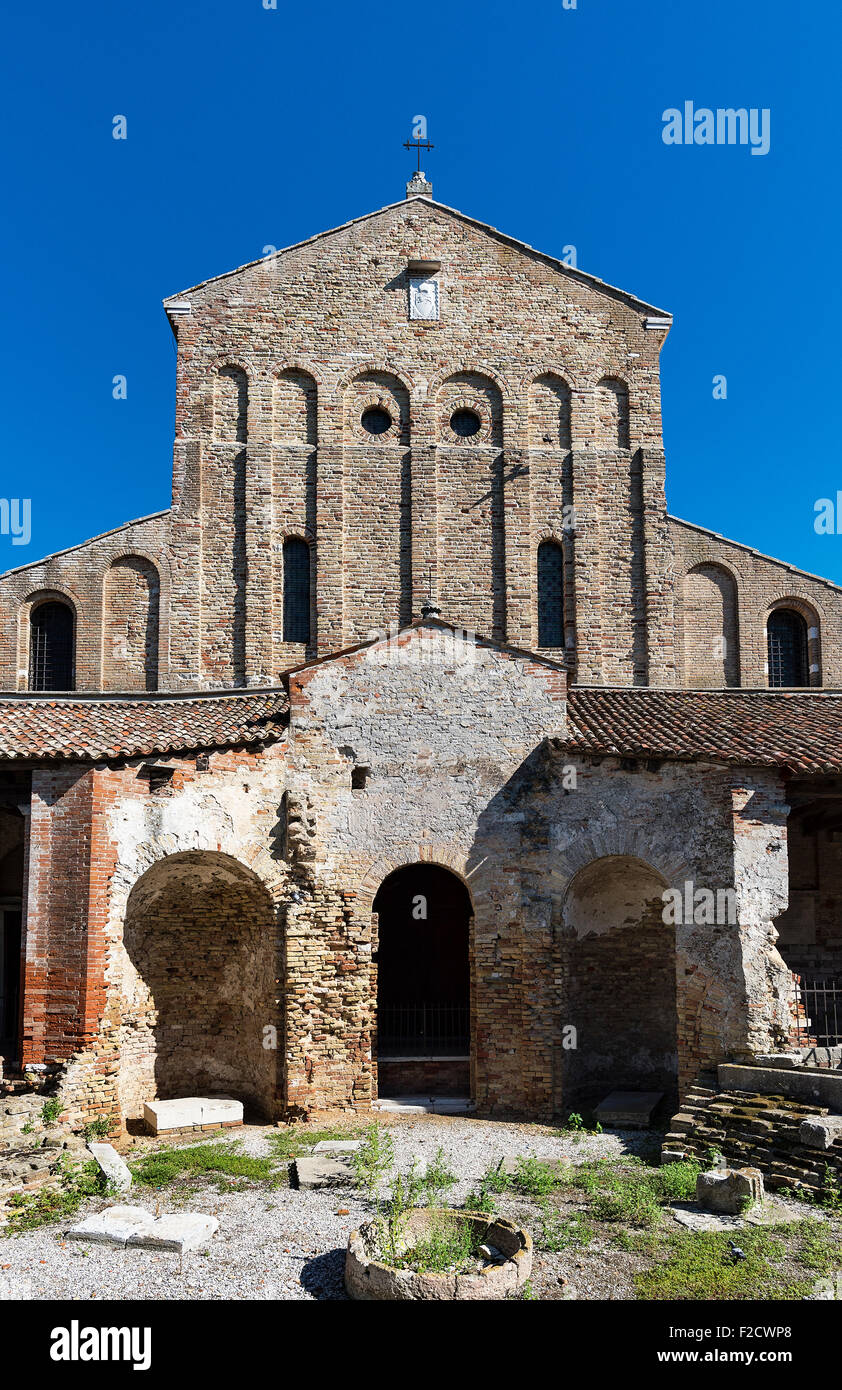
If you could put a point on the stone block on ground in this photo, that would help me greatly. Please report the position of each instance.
(628, 1109)
(112, 1165)
(113, 1226)
(820, 1131)
(729, 1190)
(336, 1146)
(191, 1112)
(323, 1170)
(181, 1231)
(123, 1225)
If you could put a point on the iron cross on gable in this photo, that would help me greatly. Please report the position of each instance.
(419, 145)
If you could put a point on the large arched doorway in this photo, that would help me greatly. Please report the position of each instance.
(199, 985)
(423, 983)
(619, 959)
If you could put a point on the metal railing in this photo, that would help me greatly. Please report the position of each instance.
(423, 1030)
(819, 1019)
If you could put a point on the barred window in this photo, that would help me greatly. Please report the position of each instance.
(51, 647)
(786, 631)
(296, 590)
(550, 594)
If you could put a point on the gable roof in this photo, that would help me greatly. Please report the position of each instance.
(403, 634)
(571, 271)
(795, 731)
(96, 728)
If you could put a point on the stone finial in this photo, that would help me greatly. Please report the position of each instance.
(419, 186)
(430, 608)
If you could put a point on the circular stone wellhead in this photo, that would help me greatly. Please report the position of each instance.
(369, 1278)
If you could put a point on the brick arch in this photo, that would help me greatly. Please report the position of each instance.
(471, 368)
(618, 958)
(612, 841)
(612, 413)
(33, 600)
(371, 388)
(231, 403)
(475, 390)
(197, 973)
(549, 409)
(131, 623)
(442, 855)
(709, 606)
(295, 398)
(374, 366)
(812, 616)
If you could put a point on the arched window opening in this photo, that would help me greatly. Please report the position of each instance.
(550, 594)
(787, 637)
(51, 647)
(296, 590)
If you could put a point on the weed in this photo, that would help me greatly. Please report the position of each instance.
(164, 1167)
(97, 1129)
(50, 1111)
(556, 1232)
(28, 1211)
(437, 1179)
(700, 1268)
(450, 1246)
(373, 1160)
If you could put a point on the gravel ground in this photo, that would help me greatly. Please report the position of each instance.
(284, 1244)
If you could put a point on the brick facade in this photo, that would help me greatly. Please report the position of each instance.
(201, 916)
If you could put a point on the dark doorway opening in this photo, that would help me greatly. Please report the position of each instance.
(423, 982)
(10, 928)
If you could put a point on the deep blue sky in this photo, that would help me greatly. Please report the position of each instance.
(249, 127)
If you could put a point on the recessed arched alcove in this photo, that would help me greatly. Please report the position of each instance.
(423, 916)
(199, 984)
(619, 972)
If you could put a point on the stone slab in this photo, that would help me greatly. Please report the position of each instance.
(628, 1109)
(424, 1105)
(816, 1087)
(113, 1226)
(124, 1225)
(181, 1231)
(336, 1146)
(325, 1170)
(112, 1165)
(163, 1116)
(767, 1213)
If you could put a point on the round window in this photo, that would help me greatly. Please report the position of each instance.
(465, 423)
(376, 420)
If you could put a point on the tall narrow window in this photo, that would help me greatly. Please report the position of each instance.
(787, 636)
(550, 594)
(51, 647)
(296, 590)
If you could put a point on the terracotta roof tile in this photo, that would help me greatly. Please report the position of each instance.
(49, 726)
(801, 731)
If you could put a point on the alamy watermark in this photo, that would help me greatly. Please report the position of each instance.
(727, 125)
(16, 519)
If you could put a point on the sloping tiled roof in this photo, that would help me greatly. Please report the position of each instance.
(46, 726)
(798, 731)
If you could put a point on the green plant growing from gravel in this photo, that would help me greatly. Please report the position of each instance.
(532, 1178)
(700, 1267)
(50, 1111)
(492, 1182)
(163, 1167)
(555, 1232)
(296, 1139)
(373, 1160)
(438, 1178)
